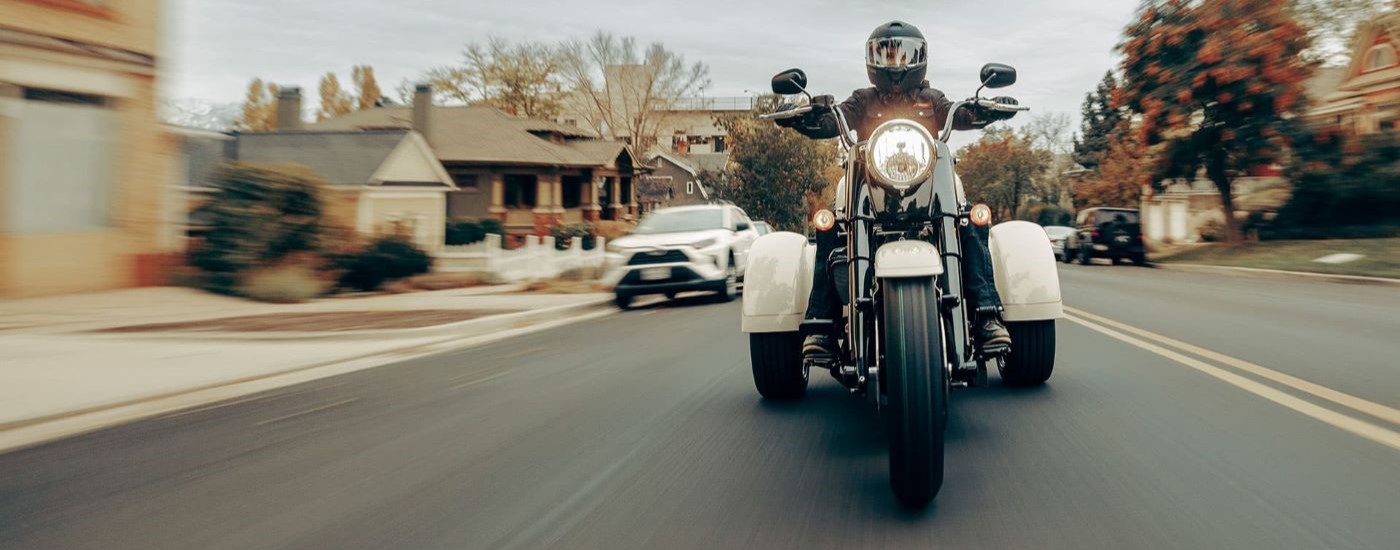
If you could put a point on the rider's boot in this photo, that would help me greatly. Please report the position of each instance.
(816, 345)
(992, 334)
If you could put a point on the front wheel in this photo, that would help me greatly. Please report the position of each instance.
(776, 360)
(730, 290)
(1032, 356)
(915, 388)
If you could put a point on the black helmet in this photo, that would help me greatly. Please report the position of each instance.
(896, 57)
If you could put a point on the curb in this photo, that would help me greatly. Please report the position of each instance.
(20, 434)
(488, 323)
(1278, 273)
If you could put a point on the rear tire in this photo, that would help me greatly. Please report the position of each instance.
(916, 390)
(623, 301)
(776, 359)
(1032, 357)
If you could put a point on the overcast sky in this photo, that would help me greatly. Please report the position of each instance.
(1060, 47)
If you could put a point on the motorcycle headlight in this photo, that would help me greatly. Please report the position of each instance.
(703, 244)
(900, 153)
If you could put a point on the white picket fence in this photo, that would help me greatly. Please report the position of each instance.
(538, 259)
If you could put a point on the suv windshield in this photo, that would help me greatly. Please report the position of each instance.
(677, 221)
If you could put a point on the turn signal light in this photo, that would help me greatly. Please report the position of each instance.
(823, 220)
(980, 215)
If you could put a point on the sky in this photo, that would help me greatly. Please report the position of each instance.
(1061, 48)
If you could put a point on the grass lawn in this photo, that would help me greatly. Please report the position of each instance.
(1382, 256)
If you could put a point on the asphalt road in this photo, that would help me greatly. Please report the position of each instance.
(643, 430)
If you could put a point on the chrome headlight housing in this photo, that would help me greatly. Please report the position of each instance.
(900, 153)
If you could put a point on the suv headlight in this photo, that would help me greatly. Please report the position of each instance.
(900, 153)
(614, 248)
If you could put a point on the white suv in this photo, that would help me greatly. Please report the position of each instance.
(679, 249)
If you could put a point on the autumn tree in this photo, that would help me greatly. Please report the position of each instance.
(367, 93)
(523, 79)
(1098, 118)
(1216, 84)
(259, 111)
(1331, 24)
(624, 91)
(1002, 169)
(1123, 170)
(773, 174)
(334, 101)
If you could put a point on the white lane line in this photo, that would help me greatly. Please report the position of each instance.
(1358, 427)
(478, 381)
(308, 411)
(1344, 399)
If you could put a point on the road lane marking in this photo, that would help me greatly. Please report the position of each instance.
(1358, 427)
(308, 411)
(1344, 399)
(478, 381)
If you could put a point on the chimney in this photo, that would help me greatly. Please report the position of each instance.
(422, 107)
(289, 109)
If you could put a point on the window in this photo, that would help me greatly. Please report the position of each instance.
(466, 182)
(520, 191)
(690, 187)
(61, 163)
(719, 144)
(1380, 56)
(573, 191)
(571, 122)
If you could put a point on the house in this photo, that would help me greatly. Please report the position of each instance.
(530, 174)
(674, 181)
(84, 164)
(1366, 96)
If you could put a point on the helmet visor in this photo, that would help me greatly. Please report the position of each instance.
(895, 53)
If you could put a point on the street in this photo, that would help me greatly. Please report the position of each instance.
(643, 430)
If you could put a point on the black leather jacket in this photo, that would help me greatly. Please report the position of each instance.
(867, 108)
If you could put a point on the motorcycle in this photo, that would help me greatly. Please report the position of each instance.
(905, 336)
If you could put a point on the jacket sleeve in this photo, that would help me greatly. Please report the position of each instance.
(965, 119)
(824, 126)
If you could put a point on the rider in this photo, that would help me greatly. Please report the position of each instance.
(896, 59)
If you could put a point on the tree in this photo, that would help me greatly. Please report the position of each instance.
(522, 79)
(624, 92)
(774, 174)
(1001, 170)
(367, 93)
(259, 112)
(1050, 132)
(1123, 170)
(1216, 85)
(1100, 117)
(1331, 24)
(334, 101)
(1340, 179)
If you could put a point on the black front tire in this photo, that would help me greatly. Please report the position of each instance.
(623, 301)
(916, 390)
(729, 288)
(1085, 257)
(776, 360)
(1032, 357)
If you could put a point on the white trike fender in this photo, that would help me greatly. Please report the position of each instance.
(777, 282)
(1027, 277)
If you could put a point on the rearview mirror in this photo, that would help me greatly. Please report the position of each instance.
(998, 75)
(790, 82)
(743, 226)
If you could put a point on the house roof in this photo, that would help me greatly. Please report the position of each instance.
(676, 160)
(1323, 83)
(484, 134)
(708, 162)
(342, 158)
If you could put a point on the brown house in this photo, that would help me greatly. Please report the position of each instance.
(1365, 96)
(84, 164)
(530, 174)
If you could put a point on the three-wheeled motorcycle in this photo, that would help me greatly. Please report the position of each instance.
(904, 339)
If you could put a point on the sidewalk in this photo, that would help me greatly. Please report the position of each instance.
(55, 362)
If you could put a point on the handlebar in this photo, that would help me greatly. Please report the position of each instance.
(790, 113)
(994, 106)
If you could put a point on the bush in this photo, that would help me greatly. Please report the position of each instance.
(257, 217)
(610, 229)
(1212, 231)
(460, 232)
(385, 259)
(563, 233)
(1341, 180)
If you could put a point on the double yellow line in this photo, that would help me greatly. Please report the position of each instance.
(1173, 349)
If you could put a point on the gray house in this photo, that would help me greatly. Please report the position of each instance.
(675, 180)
